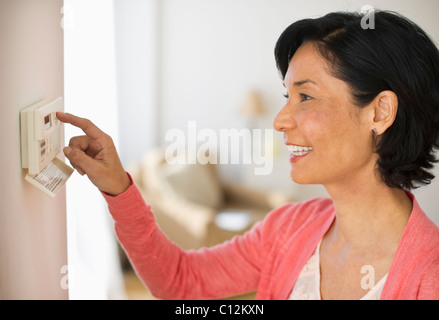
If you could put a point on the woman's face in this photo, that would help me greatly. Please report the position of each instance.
(328, 137)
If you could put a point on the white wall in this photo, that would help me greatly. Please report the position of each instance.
(90, 91)
(137, 39)
(33, 246)
(213, 51)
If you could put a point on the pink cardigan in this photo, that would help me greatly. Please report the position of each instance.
(268, 258)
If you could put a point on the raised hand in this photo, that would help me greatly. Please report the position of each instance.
(95, 155)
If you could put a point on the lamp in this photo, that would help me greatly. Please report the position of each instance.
(252, 108)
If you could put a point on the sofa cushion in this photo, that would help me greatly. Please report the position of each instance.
(193, 182)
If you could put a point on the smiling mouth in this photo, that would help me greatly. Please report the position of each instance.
(298, 151)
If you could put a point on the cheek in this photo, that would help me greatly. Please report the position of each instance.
(315, 126)
(332, 134)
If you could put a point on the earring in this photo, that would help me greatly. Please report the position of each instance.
(374, 132)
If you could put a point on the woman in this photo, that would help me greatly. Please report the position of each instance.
(362, 119)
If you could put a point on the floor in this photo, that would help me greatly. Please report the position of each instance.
(135, 290)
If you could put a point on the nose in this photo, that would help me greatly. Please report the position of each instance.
(284, 120)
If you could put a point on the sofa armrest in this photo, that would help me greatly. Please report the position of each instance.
(184, 222)
(135, 171)
(255, 198)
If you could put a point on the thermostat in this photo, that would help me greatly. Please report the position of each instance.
(41, 134)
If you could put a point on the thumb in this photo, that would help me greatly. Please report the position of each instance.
(79, 160)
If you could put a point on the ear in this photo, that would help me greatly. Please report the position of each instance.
(385, 107)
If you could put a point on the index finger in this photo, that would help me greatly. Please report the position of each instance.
(86, 125)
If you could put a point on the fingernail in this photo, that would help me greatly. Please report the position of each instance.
(67, 150)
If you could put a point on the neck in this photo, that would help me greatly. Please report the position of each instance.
(368, 213)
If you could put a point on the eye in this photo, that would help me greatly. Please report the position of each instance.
(304, 97)
(286, 96)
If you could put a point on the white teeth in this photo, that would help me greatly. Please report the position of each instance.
(298, 150)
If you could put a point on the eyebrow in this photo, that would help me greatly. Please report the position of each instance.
(300, 83)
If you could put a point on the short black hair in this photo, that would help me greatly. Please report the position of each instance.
(396, 55)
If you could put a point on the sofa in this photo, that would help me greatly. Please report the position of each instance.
(195, 207)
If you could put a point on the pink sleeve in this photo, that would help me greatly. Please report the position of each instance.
(172, 273)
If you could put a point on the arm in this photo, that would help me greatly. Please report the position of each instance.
(172, 273)
(168, 271)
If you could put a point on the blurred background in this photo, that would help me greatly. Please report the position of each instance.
(140, 68)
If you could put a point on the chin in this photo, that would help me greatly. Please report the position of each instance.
(306, 177)
(299, 179)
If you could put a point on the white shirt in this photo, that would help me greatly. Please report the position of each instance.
(307, 286)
